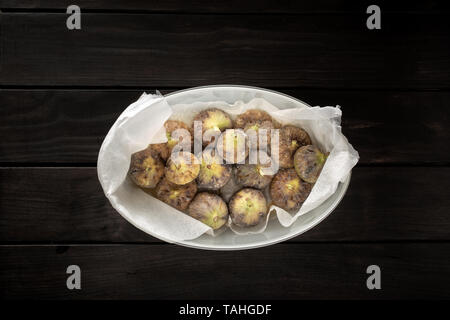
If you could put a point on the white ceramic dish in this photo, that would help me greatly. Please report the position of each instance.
(275, 232)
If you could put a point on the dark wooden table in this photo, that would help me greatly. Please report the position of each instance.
(61, 90)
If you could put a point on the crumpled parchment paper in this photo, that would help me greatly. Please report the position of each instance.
(142, 123)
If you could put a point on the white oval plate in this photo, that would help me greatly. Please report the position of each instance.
(274, 233)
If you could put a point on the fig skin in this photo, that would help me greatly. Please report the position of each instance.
(248, 207)
(256, 176)
(161, 150)
(176, 196)
(252, 115)
(146, 168)
(233, 146)
(182, 168)
(173, 125)
(291, 138)
(213, 174)
(213, 119)
(308, 162)
(288, 191)
(210, 209)
(228, 190)
(256, 126)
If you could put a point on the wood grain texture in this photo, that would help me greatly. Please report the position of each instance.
(230, 6)
(68, 126)
(67, 205)
(337, 51)
(302, 271)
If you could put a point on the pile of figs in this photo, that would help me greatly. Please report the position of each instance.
(216, 180)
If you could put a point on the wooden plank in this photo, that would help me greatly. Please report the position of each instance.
(331, 51)
(67, 205)
(313, 271)
(68, 126)
(58, 126)
(231, 6)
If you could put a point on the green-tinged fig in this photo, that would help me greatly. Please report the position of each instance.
(178, 132)
(213, 119)
(213, 173)
(248, 207)
(258, 133)
(308, 162)
(146, 168)
(232, 146)
(210, 209)
(177, 196)
(291, 138)
(249, 116)
(256, 175)
(182, 167)
(288, 191)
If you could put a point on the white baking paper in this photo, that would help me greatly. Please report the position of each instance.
(142, 123)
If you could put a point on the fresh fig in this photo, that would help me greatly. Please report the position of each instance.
(210, 209)
(228, 190)
(248, 207)
(182, 168)
(251, 116)
(161, 150)
(213, 173)
(175, 135)
(146, 168)
(291, 138)
(177, 196)
(213, 119)
(256, 175)
(308, 162)
(288, 191)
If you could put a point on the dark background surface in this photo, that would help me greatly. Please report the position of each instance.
(61, 90)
